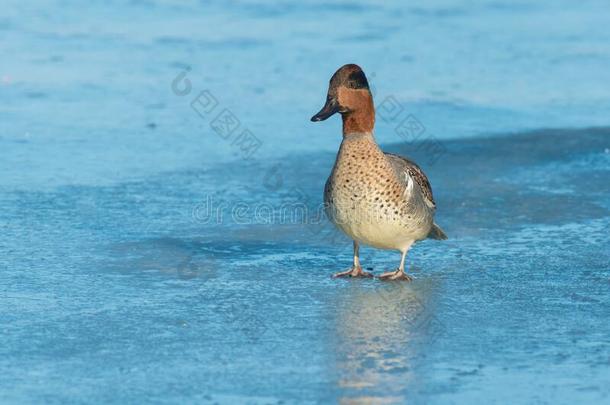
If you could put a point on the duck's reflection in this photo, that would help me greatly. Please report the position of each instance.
(380, 331)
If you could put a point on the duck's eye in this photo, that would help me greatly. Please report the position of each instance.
(357, 80)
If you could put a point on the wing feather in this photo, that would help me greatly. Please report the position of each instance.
(404, 165)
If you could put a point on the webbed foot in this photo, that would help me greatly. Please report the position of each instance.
(397, 274)
(353, 272)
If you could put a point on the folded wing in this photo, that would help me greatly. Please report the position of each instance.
(412, 171)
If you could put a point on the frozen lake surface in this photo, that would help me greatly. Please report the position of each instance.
(145, 259)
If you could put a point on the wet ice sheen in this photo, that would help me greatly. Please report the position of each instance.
(137, 294)
(114, 288)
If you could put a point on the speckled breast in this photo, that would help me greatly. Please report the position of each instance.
(364, 198)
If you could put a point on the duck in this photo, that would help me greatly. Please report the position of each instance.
(378, 199)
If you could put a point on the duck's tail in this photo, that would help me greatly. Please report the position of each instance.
(437, 233)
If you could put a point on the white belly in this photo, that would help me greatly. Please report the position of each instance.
(367, 225)
(380, 235)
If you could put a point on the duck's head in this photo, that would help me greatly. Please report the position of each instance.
(349, 95)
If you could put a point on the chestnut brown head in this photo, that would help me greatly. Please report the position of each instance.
(349, 95)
